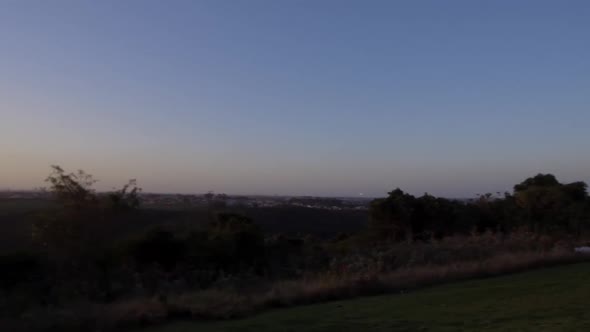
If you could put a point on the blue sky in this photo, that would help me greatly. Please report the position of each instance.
(296, 97)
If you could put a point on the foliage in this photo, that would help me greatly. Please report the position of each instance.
(126, 198)
(556, 299)
(18, 268)
(541, 203)
(72, 190)
(90, 248)
(158, 246)
(81, 221)
(238, 238)
(549, 205)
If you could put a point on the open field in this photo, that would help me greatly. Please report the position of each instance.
(553, 299)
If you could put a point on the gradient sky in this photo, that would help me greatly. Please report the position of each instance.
(296, 97)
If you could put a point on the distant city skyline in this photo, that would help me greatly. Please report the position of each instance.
(321, 98)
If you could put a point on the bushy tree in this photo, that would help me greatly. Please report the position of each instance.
(401, 216)
(541, 203)
(550, 205)
(391, 217)
(72, 190)
(126, 198)
(18, 268)
(158, 246)
(237, 239)
(433, 216)
(81, 219)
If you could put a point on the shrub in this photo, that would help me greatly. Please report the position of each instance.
(158, 246)
(18, 268)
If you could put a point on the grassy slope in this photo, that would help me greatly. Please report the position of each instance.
(555, 299)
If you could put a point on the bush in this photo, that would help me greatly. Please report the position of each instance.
(18, 268)
(158, 246)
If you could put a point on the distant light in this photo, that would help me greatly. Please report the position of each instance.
(361, 194)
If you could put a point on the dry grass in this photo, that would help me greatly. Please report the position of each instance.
(430, 264)
(333, 287)
(224, 304)
(136, 312)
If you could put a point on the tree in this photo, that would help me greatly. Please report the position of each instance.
(236, 239)
(391, 217)
(158, 246)
(550, 205)
(80, 220)
(433, 216)
(539, 180)
(126, 198)
(72, 190)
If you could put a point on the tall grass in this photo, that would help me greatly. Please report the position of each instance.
(385, 269)
(389, 269)
(220, 304)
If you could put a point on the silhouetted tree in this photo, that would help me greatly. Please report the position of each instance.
(126, 198)
(391, 217)
(72, 190)
(82, 218)
(549, 205)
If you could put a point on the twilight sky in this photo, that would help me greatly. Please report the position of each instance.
(296, 97)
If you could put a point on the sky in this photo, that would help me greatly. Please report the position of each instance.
(289, 97)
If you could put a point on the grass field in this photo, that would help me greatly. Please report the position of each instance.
(554, 299)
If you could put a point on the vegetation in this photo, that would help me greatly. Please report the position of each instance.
(91, 258)
(544, 300)
(540, 204)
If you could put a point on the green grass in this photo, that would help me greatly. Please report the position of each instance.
(554, 299)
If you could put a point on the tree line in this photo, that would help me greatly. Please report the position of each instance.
(540, 204)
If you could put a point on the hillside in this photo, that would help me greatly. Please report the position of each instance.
(554, 299)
